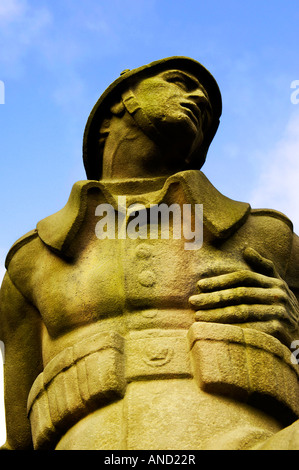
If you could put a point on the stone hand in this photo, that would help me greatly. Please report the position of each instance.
(257, 299)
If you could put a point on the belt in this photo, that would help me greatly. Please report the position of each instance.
(95, 372)
(224, 359)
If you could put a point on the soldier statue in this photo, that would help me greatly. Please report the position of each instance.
(126, 342)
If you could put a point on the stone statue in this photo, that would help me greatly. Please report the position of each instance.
(123, 340)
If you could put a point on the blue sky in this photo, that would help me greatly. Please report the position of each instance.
(56, 58)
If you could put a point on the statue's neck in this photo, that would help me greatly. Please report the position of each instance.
(130, 153)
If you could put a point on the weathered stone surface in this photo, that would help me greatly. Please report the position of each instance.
(123, 331)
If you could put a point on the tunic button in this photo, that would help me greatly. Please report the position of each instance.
(147, 278)
(143, 251)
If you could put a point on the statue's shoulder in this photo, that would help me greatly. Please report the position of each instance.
(21, 242)
(272, 214)
(21, 260)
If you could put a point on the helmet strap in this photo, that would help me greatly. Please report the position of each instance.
(143, 122)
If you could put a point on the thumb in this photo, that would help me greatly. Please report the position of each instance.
(260, 264)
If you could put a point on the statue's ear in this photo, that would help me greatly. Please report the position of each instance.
(117, 108)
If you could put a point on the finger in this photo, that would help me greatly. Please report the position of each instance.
(244, 314)
(238, 279)
(268, 319)
(237, 296)
(259, 263)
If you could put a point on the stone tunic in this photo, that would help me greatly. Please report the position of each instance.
(116, 341)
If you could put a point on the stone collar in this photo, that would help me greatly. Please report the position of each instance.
(221, 215)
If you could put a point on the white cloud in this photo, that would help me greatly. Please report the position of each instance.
(21, 27)
(11, 9)
(278, 185)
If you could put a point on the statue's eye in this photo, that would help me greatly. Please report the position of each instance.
(179, 81)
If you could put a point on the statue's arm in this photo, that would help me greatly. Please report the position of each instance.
(20, 332)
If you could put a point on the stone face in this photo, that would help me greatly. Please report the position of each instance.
(123, 333)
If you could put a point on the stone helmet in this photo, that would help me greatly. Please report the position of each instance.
(92, 152)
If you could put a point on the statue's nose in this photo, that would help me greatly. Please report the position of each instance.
(199, 97)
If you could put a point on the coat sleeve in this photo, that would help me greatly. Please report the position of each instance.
(20, 327)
